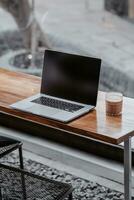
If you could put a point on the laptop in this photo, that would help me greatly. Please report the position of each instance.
(69, 87)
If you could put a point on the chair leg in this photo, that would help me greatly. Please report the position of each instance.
(21, 157)
(0, 194)
(70, 197)
(22, 176)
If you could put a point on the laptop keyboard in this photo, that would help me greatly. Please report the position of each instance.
(62, 105)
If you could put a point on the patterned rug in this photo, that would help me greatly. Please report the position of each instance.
(83, 189)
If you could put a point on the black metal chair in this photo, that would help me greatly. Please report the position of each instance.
(7, 145)
(17, 184)
(35, 187)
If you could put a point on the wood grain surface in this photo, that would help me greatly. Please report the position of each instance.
(15, 86)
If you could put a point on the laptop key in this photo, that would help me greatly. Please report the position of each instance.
(54, 103)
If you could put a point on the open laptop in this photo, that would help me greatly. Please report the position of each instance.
(69, 87)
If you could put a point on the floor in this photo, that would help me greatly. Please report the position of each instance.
(87, 166)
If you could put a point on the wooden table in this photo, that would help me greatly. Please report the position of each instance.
(96, 125)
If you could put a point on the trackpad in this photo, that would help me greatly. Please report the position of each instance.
(42, 110)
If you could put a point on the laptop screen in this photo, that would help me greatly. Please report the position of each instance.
(71, 77)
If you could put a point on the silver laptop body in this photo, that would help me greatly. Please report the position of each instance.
(69, 87)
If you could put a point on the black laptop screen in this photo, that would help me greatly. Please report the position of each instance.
(71, 77)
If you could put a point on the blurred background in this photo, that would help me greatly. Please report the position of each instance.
(98, 28)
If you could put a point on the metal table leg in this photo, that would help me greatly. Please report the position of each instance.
(127, 170)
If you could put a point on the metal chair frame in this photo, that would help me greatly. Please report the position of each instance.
(18, 145)
(4, 169)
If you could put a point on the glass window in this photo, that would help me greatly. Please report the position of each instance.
(98, 28)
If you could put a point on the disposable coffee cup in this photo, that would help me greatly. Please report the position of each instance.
(114, 101)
